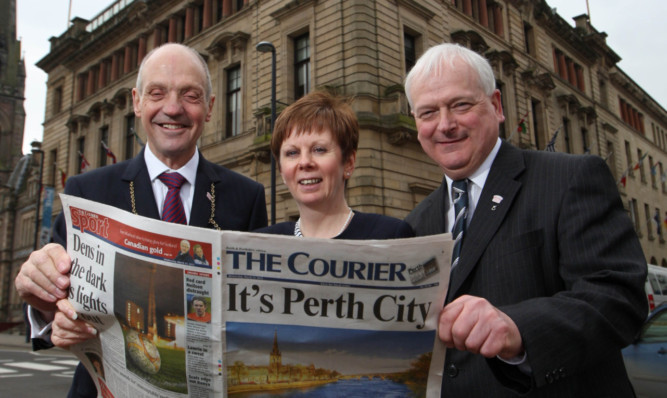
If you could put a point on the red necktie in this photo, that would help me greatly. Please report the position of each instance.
(172, 210)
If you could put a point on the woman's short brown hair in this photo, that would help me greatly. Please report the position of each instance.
(318, 111)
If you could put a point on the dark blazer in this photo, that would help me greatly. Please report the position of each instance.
(362, 226)
(559, 255)
(239, 205)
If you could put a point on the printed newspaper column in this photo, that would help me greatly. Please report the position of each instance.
(150, 291)
(198, 289)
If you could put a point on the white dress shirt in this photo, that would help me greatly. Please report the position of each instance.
(475, 185)
(189, 171)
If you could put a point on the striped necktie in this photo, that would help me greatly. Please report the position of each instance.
(460, 199)
(172, 209)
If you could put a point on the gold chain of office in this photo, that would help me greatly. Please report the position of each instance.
(211, 220)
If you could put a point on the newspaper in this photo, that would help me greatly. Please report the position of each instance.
(186, 311)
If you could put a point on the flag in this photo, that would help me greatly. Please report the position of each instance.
(654, 169)
(624, 178)
(84, 162)
(63, 176)
(551, 146)
(521, 128)
(658, 224)
(664, 222)
(108, 151)
(639, 162)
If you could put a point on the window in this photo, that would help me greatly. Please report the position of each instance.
(301, 66)
(628, 159)
(410, 51)
(529, 39)
(501, 128)
(631, 115)
(649, 223)
(104, 138)
(57, 99)
(53, 157)
(604, 96)
(233, 114)
(486, 12)
(634, 215)
(654, 330)
(536, 109)
(566, 135)
(120, 63)
(640, 164)
(654, 172)
(658, 224)
(611, 159)
(199, 18)
(129, 136)
(81, 144)
(584, 141)
(569, 70)
(82, 81)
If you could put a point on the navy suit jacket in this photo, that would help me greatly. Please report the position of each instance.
(550, 245)
(240, 205)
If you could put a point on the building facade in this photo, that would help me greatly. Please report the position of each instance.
(18, 173)
(553, 78)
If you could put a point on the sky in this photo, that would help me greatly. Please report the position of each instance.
(633, 31)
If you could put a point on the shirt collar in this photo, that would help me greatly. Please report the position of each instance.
(156, 167)
(478, 177)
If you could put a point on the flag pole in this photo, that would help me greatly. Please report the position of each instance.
(69, 14)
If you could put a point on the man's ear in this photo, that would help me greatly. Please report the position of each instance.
(497, 103)
(210, 107)
(136, 102)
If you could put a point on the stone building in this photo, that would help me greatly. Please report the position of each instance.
(18, 173)
(553, 78)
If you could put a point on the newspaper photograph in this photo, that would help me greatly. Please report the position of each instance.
(190, 312)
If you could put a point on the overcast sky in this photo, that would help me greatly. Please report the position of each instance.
(633, 31)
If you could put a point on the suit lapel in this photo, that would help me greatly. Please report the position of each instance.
(144, 198)
(201, 204)
(489, 215)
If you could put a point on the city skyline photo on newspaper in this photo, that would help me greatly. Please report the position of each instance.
(286, 360)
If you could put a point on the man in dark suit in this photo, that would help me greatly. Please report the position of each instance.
(173, 99)
(549, 283)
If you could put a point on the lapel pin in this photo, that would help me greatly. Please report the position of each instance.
(496, 199)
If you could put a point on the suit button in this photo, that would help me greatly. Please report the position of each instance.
(550, 378)
(452, 371)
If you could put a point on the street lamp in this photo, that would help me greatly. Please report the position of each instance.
(37, 148)
(265, 47)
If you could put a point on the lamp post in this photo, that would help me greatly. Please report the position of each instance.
(265, 47)
(37, 148)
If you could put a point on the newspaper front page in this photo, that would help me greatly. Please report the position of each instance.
(192, 312)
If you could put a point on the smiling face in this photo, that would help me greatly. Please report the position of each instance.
(185, 246)
(312, 166)
(457, 123)
(172, 103)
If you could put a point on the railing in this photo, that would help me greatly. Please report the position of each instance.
(107, 14)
